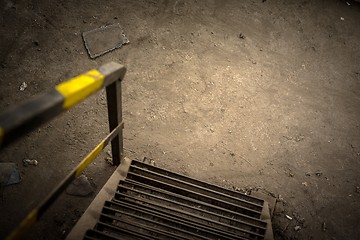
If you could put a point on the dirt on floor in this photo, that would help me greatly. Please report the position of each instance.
(248, 94)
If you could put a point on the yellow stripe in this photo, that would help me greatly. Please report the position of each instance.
(89, 158)
(78, 88)
(1, 135)
(24, 226)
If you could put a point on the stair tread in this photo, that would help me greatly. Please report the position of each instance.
(154, 203)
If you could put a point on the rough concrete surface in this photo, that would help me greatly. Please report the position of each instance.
(244, 94)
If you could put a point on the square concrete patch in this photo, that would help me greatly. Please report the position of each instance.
(104, 39)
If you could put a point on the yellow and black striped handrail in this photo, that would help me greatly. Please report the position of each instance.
(36, 213)
(23, 118)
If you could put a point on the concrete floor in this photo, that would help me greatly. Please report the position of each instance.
(265, 111)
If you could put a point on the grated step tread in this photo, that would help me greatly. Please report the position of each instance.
(154, 203)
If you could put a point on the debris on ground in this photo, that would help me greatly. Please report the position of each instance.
(241, 36)
(23, 86)
(80, 187)
(108, 158)
(299, 138)
(288, 217)
(246, 190)
(9, 173)
(280, 198)
(323, 226)
(300, 220)
(317, 173)
(289, 173)
(342, 19)
(27, 162)
(104, 39)
(149, 161)
(237, 189)
(297, 228)
(288, 138)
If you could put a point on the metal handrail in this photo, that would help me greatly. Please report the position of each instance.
(17, 121)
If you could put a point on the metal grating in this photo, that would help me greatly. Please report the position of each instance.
(153, 203)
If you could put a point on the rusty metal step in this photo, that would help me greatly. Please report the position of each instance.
(154, 203)
(130, 186)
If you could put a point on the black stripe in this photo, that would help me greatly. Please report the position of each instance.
(113, 134)
(21, 119)
(112, 72)
(56, 193)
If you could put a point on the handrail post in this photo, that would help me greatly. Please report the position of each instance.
(114, 105)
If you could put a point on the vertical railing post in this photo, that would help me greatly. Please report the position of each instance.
(114, 104)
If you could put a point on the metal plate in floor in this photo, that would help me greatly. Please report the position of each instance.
(104, 39)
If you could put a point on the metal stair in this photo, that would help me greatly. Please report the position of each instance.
(139, 201)
(153, 203)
